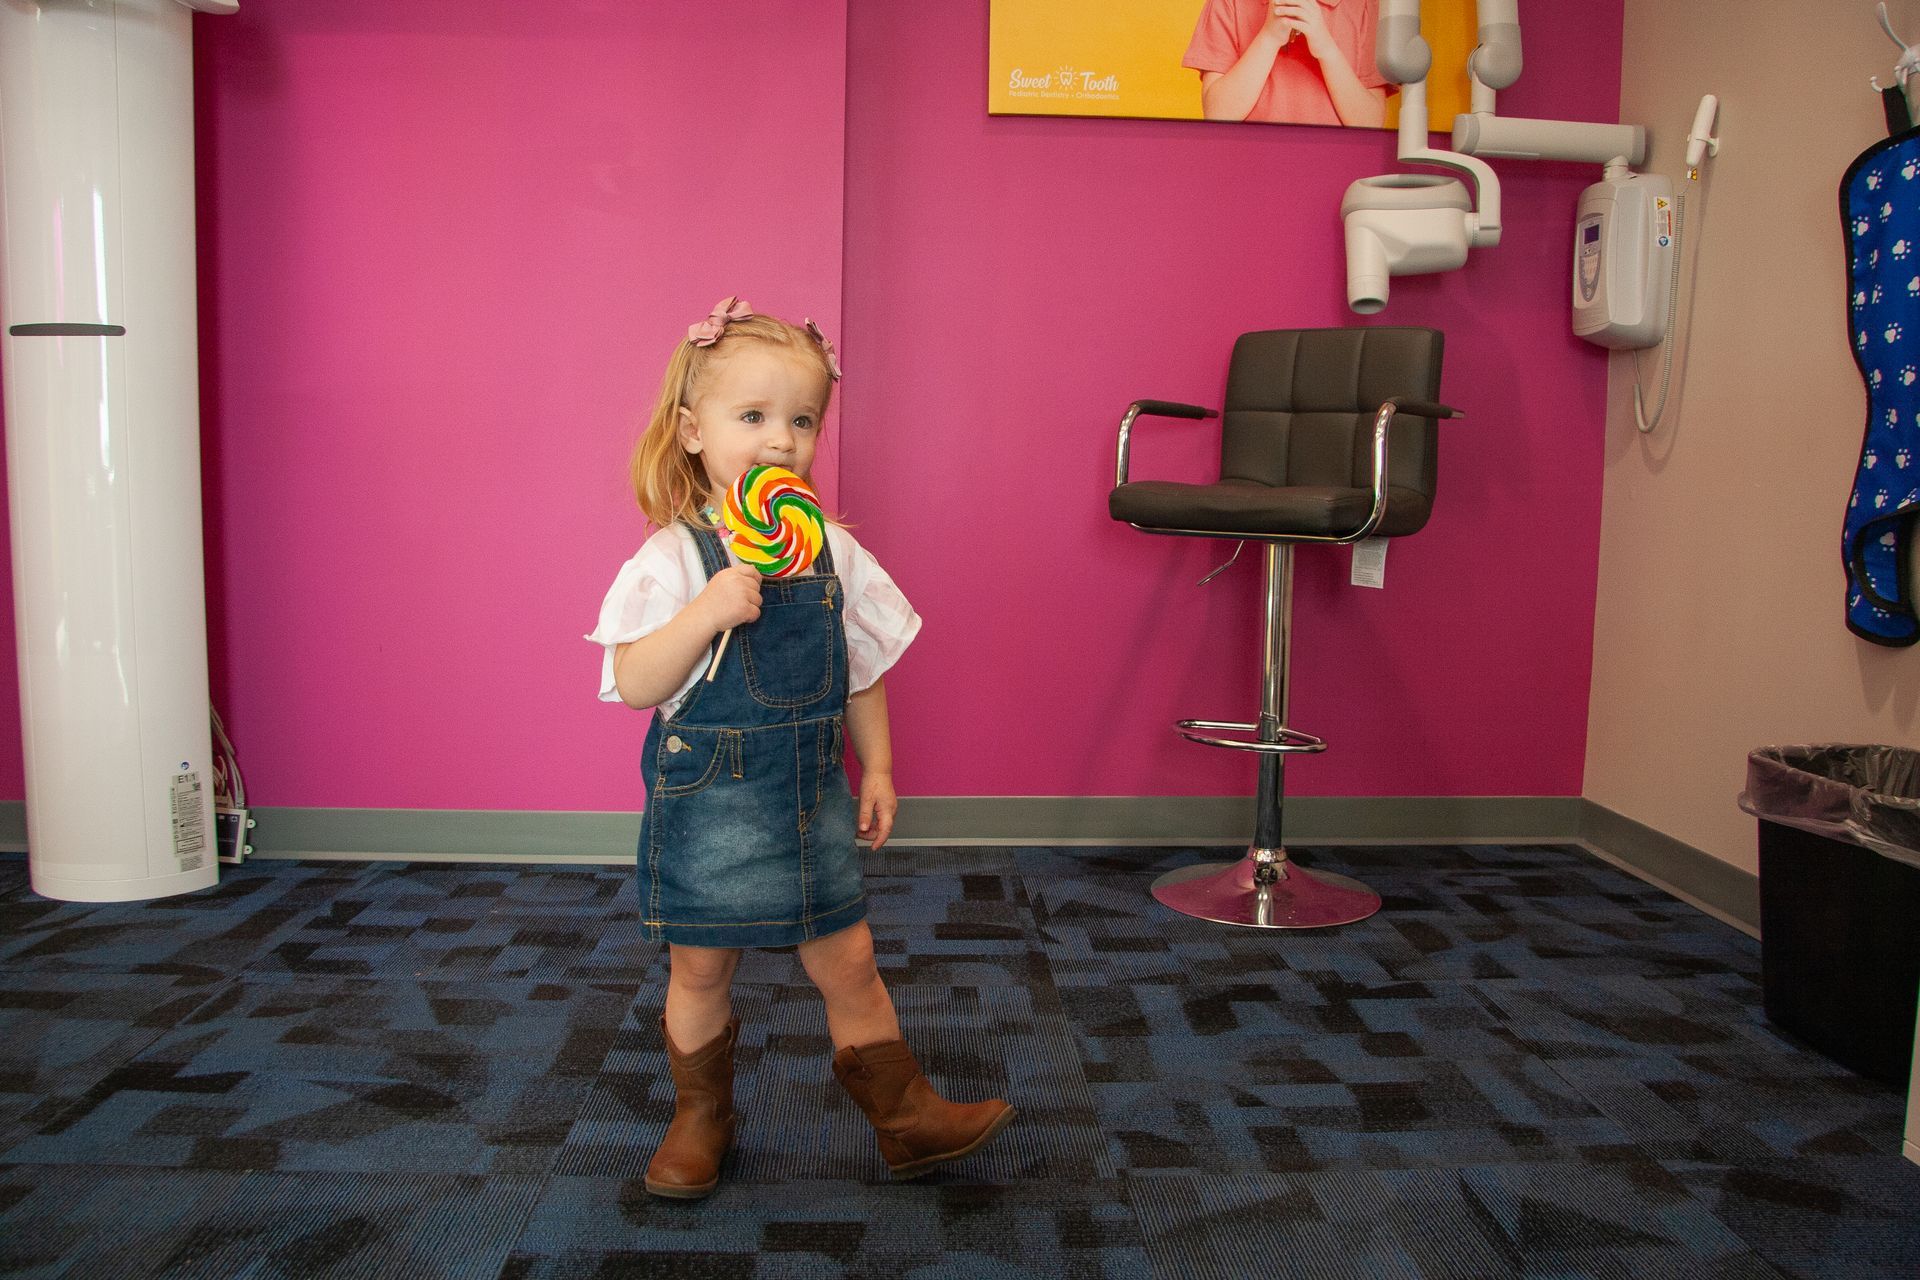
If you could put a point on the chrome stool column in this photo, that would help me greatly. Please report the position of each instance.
(1267, 889)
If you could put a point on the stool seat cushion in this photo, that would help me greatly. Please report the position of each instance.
(1246, 507)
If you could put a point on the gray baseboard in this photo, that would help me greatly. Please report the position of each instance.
(1729, 892)
(439, 835)
(1113, 820)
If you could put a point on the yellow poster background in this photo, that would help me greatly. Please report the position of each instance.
(1122, 58)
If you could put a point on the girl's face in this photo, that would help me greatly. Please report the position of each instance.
(761, 406)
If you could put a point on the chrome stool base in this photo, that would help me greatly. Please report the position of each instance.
(1266, 889)
(1293, 896)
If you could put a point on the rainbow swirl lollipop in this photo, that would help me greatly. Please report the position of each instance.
(773, 521)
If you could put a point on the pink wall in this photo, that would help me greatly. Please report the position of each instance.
(1013, 283)
(446, 248)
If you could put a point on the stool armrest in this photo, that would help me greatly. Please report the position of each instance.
(1426, 409)
(1382, 420)
(1155, 409)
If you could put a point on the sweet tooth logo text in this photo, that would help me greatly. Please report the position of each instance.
(1062, 82)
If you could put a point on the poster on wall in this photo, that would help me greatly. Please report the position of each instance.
(1259, 61)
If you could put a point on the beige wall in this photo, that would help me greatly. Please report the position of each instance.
(1719, 623)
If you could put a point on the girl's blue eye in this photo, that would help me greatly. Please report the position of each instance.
(751, 415)
(803, 422)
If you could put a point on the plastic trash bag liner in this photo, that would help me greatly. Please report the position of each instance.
(1866, 795)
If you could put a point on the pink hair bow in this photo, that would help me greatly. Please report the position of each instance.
(826, 349)
(708, 331)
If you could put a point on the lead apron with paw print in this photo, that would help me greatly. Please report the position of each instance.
(1880, 205)
(748, 835)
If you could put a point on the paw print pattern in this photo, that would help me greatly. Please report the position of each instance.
(1883, 300)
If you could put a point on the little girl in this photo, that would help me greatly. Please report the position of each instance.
(748, 835)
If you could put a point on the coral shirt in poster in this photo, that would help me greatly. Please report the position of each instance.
(1295, 91)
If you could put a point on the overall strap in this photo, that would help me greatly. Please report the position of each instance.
(713, 557)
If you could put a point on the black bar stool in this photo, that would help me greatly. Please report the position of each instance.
(1328, 436)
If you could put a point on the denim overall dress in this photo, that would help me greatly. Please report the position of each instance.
(748, 835)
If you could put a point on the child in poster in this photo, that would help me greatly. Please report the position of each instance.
(1289, 61)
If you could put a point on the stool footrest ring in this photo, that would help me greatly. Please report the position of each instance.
(1289, 742)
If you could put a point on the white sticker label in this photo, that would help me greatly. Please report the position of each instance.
(189, 822)
(1370, 562)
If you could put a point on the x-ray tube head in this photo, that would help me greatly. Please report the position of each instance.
(1402, 224)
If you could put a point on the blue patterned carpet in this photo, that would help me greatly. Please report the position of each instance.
(1529, 1064)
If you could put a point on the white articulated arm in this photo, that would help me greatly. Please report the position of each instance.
(1404, 57)
(1495, 64)
(1400, 51)
(1484, 223)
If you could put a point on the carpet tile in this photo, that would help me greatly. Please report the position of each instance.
(1634, 1222)
(192, 1225)
(1529, 1064)
(796, 1228)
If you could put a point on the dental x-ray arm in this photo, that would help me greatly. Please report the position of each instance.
(1405, 58)
(1495, 64)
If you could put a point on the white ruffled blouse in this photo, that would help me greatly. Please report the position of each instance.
(665, 575)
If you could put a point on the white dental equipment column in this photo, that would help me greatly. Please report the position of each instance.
(1495, 63)
(103, 452)
(1403, 224)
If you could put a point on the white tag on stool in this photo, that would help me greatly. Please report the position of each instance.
(1370, 562)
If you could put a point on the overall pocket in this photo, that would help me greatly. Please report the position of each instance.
(688, 760)
(789, 653)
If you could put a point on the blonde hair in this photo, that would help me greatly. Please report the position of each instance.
(670, 483)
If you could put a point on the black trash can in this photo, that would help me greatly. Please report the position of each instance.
(1840, 899)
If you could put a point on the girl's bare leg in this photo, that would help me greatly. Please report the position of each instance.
(841, 965)
(917, 1128)
(699, 999)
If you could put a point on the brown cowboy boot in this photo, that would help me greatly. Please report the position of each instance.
(687, 1165)
(918, 1128)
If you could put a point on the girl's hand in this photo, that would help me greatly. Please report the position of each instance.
(878, 804)
(731, 597)
(1306, 17)
(1277, 28)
